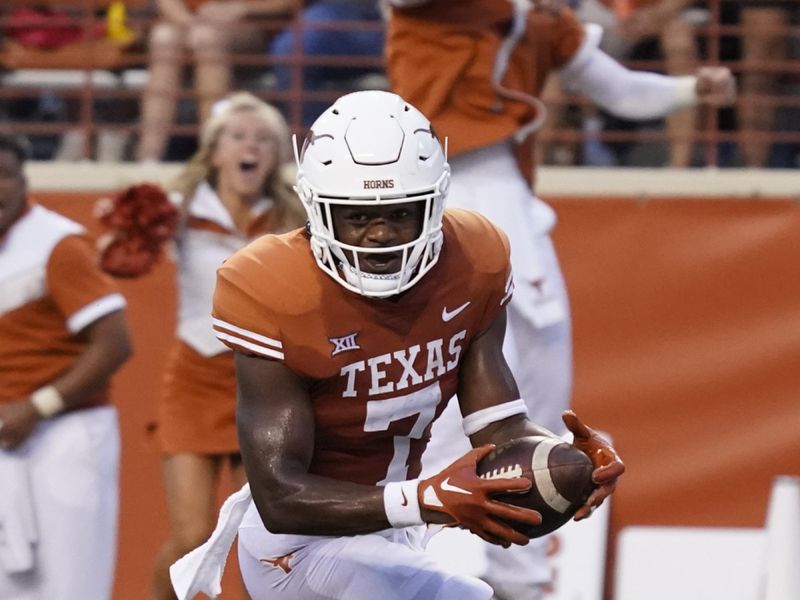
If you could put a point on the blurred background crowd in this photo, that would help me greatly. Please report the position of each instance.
(129, 80)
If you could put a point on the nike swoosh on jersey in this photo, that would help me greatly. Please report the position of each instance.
(449, 315)
(447, 487)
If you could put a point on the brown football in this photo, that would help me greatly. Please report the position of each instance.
(560, 475)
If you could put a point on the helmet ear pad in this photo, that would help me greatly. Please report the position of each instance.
(372, 147)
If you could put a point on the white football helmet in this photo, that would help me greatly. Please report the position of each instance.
(372, 147)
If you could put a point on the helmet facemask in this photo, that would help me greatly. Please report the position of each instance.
(372, 149)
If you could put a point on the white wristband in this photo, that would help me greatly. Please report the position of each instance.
(476, 421)
(401, 503)
(47, 401)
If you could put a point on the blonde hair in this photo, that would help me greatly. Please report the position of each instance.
(277, 185)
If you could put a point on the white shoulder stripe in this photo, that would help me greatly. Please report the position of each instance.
(267, 341)
(541, 473)
(96, 309)
(509, 289)
(256, 348)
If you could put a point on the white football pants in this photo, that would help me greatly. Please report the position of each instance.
(72, 469)
(538, 344)
(387, 565)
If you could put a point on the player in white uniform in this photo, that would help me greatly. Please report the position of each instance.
(62, 335)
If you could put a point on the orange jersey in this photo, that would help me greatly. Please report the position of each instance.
(50, 289)
(383, 369)
(457, 44)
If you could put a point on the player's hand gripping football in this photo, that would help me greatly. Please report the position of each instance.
(608, 466)
(457, 495)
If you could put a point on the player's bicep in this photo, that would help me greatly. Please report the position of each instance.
(275, 424)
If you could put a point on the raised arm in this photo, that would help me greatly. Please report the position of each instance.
(640, 95)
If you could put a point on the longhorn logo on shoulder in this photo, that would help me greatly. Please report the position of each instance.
(378, 184)
(345, 343)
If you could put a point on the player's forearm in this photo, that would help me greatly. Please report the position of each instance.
(313, 505)
(109, 347)
(635, 95)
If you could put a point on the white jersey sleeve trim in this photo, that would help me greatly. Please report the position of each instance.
(94, 310)
(255, 348)
(249, 340)
(267, 341)
(509, 291)
(476, 421)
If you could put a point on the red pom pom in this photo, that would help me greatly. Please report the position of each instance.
(141, 219)
(128, 257)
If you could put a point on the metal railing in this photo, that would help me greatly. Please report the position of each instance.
(84, 98)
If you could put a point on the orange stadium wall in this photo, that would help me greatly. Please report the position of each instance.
(687, 346)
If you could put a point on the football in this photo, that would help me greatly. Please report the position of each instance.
(560, 475)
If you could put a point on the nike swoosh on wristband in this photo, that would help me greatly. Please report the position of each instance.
(448, 315)
(453, 488)
(405, 500)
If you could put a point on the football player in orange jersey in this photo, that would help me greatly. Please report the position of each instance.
(63, 334)
(350, 336)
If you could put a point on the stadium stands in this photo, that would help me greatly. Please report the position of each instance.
(90, 74)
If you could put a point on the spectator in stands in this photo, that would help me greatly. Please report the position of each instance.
(763, 40)
(233, 189)
(210, 30)
(63, 334)
(319, 41)
(41, 37)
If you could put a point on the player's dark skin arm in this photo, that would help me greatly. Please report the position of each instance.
(276, 435)
(275, 423)
(108, 348)
(482, 387)
(489, 381)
